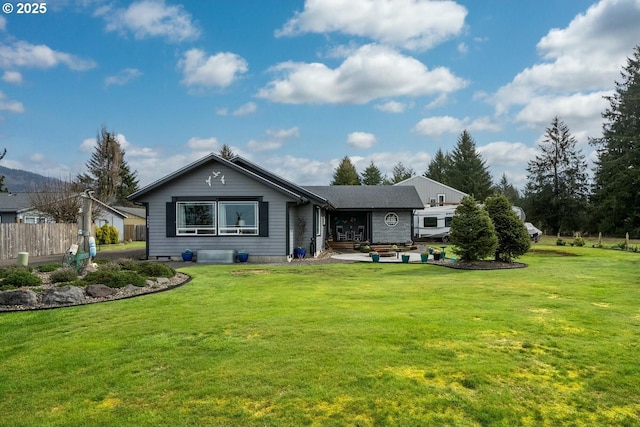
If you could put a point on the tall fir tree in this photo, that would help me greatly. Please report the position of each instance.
(345, 173)
(226, 152)
(2, 187)
(513, 237)
(439, 167)
(472, 233)
(371, 175)
(507, 189)
(557, 183)
(108, 176)
(616, 190)
(468, 172)
(399, 173)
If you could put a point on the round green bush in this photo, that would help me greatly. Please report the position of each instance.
(47, 268)
(154, 269)
(63, 275)
(114, 278)
(21, 277)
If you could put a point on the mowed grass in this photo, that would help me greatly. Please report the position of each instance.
(556, 343)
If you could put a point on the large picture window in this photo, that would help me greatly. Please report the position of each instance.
(238, 218)
(195, 218)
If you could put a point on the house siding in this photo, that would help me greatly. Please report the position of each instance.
(200, 182)
(382, 233)
(429, 189)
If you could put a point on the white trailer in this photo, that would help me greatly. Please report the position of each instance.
(433, 222)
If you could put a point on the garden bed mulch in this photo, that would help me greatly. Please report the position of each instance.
(481, 265)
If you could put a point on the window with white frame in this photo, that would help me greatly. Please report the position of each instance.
(195, 218)
(238, 218)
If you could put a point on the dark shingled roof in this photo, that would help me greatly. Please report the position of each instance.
(369, 196)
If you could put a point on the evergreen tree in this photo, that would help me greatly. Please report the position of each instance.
(507, 189)
(399, 173)
(2, 188)
(345, 173)
(472, 232)
(616, 197)
(371, 175)
(439, 167)
(557, 182)
(109, 176)
(469, 172)
(513, 237)
(226, 152)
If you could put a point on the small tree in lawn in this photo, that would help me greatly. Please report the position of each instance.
(472, 232)
(513, 238)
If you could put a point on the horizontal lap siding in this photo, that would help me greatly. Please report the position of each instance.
(382, 233)
(194, 184)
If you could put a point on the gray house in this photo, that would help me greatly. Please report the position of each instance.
(432, 192)
(214, 204)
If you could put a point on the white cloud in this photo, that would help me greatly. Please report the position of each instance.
(510, 158)
(436, 126)
(222, 111)
(277, 139)
(123, 77)
(10, 105)
(410, 24)
(585, 56)
(218, 70)
(204, 144)
(463, 48)
(24, 54)
(372, 72)
(394, 106)
(361, 140)
(12, 77)
(87, 145)
(284, 133)
(3, 23)
(151, 18)
(248, 108)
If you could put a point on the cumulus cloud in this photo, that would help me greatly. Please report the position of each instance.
(361, 140)
(584, 57)
(510, 158)
(276, 139)
(248, 108)
(394, 106)
(123, 77)
(436, 126)
(10, 105)
(151, 18)
(410, 24)
(27, 55)
(87, 145)
(203, 144)
(12, 77)
(372, 72)
(219, 70)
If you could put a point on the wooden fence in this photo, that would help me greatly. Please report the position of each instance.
(37, 239)
(135, 233)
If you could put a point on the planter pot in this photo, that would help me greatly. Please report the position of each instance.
(243, 257)
(424, 257)
(436, 257)
(300, 253)
(375, 258)
(187, 256)
(405, 259)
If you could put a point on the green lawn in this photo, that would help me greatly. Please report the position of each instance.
(556, 343)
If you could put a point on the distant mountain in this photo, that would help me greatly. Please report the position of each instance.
(19, 181)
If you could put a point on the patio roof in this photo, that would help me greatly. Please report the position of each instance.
(368, 197)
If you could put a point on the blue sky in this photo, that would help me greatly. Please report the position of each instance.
(297, 85)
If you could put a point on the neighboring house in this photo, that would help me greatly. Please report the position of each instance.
(432, 193)
(17, 208)
(219, 204)
(135, 216)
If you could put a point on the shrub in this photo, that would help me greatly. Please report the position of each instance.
(114, 278)
(513, 237)
(154, 269)
(21, 277)
(63, 275)
(560, 242)
(578, 241)
(106, 235)
(472, 232)
(126, 263)
(47, 268)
